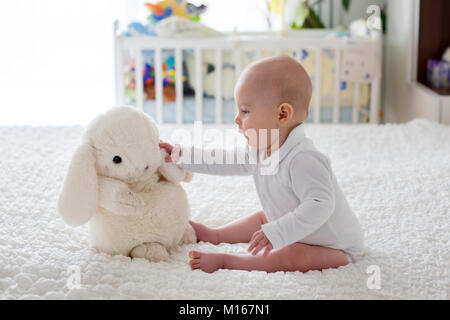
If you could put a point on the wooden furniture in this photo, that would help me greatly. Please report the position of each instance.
(431, 39)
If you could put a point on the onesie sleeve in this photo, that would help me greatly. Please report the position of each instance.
(311, 180)
(220, 162)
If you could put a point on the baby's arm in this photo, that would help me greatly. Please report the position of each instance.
(312, 183)
(193, 159)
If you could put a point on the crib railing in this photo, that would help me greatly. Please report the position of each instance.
(310, 40)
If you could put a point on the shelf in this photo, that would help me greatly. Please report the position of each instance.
(441, 92)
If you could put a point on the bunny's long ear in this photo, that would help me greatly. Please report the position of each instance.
(78, 199)
(171, 172)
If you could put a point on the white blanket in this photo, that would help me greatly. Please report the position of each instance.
(396, 178)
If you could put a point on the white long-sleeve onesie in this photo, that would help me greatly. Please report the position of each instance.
(301, 200)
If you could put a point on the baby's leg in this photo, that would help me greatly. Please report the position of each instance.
(295, 257)
(235, 232)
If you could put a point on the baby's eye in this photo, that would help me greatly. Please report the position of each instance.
(244, 111)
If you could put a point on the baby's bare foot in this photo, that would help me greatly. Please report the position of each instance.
(208, 262)
(204, 233)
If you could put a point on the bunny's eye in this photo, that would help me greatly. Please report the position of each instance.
(117, 159)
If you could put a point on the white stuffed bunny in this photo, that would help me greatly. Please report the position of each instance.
(118, 181)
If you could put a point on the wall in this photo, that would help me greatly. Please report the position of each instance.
(56, 62)
(397, 90)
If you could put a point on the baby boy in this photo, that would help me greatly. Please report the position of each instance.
(305, 222)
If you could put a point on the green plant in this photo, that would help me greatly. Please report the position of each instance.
(308, 15)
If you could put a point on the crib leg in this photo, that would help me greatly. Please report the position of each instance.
(375, 102)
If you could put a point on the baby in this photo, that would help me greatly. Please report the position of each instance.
(306, 222)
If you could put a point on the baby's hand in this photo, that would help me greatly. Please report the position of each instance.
(173, 151)
(259, 241)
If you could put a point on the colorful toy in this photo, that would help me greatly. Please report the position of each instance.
(168, 73)
(138, 29)
(181, 8)
(130, 87)
(438, 74)
(148, 74)
(158, 13)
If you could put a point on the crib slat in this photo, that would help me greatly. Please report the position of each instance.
(198, 84)
(237, 62)
(375, 101)
(298, 55)
(179, 84)
(317, 85)
(218, 72)
(139, 80)
(356, 97)
(257, 54)
(119, 74)
(158, 85)
(337, 86)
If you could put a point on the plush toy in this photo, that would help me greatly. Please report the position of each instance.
(169, 94)
(158, 11)
(119, 183)
(180, 8)
(168, 68)
(130, 87)
(138, 29)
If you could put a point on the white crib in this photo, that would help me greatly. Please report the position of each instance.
(238, 43)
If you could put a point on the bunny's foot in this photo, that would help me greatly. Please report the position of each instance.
(152, 251)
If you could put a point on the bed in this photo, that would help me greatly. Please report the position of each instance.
(396, 178)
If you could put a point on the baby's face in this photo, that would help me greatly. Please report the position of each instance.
(273, 93)
(254, 113)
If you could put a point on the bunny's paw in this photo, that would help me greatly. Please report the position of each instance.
(131, 203)
(189, 235)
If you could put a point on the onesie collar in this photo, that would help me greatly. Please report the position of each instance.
(294, 138)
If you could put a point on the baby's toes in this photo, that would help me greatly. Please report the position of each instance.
(195, 259)
(194, 255)
(195, 264)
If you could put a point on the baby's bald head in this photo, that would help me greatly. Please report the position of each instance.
(276, 80)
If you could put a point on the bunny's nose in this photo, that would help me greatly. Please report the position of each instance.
(146, 168)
